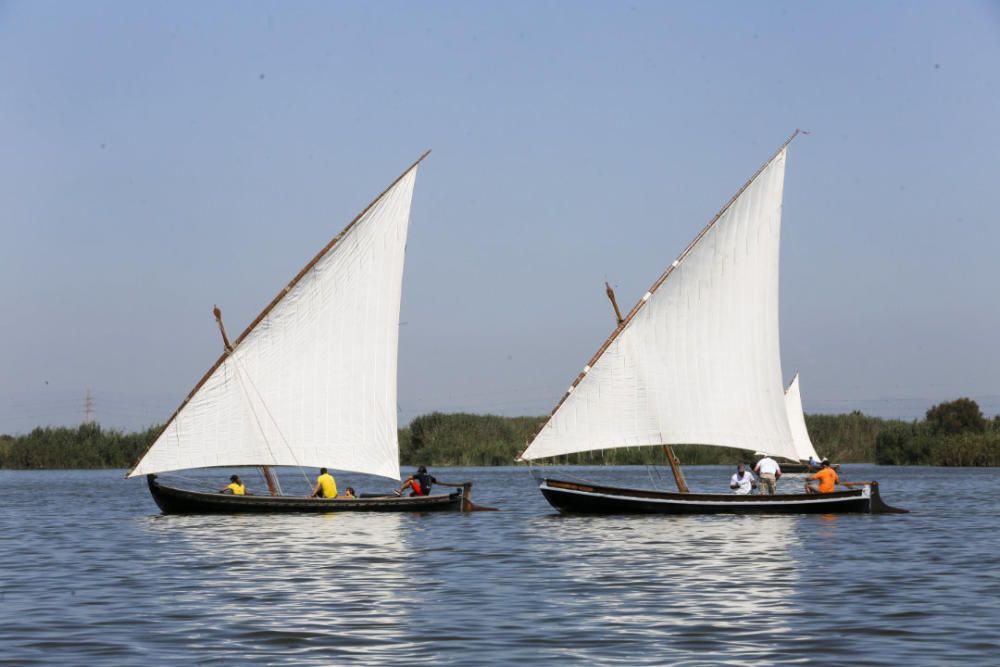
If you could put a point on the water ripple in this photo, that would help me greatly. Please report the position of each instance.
(105, 580)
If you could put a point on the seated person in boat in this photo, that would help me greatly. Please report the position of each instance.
(325, 487)
(813, 462)
(769, 472)
(827, 478)
(742, 481)
(419, 484)
(236, 487)
(349, 493)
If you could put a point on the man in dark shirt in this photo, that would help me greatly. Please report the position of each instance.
(419, 484)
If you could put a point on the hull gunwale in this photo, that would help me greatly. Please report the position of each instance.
(172, 500)
(572, 498)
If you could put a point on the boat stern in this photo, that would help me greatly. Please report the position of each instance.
(877, 505)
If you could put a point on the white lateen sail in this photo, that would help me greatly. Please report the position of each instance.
(804, 449)
(312, 382)
(697, 361)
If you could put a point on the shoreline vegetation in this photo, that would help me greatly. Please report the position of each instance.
(952, 434)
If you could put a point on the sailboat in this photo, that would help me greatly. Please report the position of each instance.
(311, 382)
(696, 361)
(805, 452)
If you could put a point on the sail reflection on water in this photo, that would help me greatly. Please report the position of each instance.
(325, 579)
(733, 575)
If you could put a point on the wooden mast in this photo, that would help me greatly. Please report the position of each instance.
(675, 464)
(675, 467)
(272, 484)
(614, 303)
(273, 303)
(656, 285)
(222, 329)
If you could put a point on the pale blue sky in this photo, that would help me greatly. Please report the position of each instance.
(161, 157)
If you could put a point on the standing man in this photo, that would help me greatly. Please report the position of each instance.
(742, 481)
(325, 487)
(769, 471)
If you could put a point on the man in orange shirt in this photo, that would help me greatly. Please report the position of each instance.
(827, 478)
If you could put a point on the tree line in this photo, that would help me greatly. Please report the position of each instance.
(952, 434)
(86, 446)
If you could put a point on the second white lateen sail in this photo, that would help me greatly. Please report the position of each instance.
(697, 361)
(804, 450)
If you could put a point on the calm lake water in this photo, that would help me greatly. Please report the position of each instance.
(92, 574)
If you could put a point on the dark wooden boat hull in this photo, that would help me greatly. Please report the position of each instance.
(182, 501)
(574, 498)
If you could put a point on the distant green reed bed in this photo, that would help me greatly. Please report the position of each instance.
(952, 434)
(86, 446)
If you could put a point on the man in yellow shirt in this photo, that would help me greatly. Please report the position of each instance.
(325, 487)
(827, 478)
(236, 487)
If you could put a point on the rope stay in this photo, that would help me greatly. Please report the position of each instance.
(240, 376)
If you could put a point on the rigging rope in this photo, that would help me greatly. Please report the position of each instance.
(194, 481)
(538, 475)
(658, 475)
(535, 475)
(202, 482)
(240, 375)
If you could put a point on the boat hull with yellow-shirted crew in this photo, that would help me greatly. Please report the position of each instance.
(173, 500)
(310, 382)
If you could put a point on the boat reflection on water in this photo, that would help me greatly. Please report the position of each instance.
(298, 583)
(727, 579)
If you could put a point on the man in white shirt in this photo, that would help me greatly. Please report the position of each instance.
(769, 472)
(742, 481)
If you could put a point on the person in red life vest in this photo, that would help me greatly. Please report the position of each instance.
(419, 484)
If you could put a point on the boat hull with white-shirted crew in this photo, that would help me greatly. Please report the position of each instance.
(697, 361)
(578, 498)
